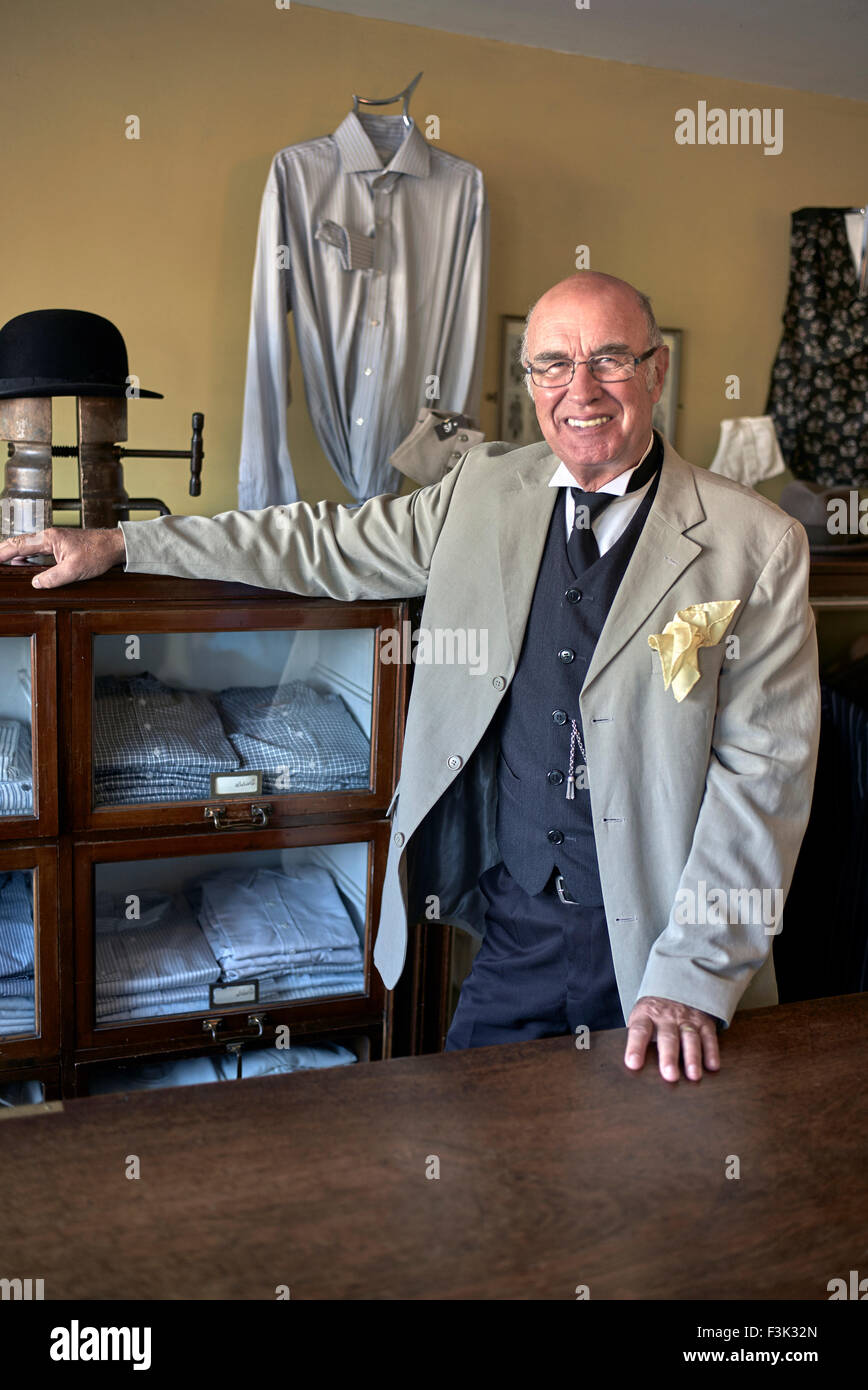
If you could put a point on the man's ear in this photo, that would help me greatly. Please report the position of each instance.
(659, 364)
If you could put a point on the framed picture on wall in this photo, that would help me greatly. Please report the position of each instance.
(516, 417)
(665, 417)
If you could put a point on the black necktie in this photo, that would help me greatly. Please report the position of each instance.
(582, 548)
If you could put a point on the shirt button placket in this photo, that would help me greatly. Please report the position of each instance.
(368, 392)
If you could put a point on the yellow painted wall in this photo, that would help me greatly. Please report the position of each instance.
(159, 234)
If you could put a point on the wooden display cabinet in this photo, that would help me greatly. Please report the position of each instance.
(83, 835)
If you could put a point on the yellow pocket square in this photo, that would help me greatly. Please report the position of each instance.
(700, 625)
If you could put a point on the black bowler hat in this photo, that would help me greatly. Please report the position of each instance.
(63, 352)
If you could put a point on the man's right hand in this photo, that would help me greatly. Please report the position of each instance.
(77, 554)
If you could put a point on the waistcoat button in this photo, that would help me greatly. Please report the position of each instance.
(566, 656)
(555, 836)
(555, 777)
(573, 595)
(559, 716)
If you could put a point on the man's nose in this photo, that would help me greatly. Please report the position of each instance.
(584, 386)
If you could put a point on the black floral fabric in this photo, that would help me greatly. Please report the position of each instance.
(819, 388)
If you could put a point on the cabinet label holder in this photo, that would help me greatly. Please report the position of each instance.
(246, 992)
(236, 783)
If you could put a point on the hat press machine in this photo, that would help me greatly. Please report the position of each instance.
(26, 502)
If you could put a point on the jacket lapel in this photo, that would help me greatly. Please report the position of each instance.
(524, 512)
(524, 507)
(661, 556)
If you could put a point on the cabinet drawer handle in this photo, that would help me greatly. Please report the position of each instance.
(218, 817)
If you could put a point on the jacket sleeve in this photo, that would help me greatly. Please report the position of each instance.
(757, 797)
(381, 549)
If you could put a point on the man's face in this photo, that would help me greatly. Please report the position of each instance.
(592, 423)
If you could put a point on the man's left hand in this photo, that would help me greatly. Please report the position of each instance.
(676, 1029)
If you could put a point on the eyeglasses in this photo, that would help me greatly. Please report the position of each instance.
(603, 366)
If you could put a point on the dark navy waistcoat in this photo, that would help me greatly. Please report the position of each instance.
(538, 829)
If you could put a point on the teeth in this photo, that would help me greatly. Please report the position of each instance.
(586, 424)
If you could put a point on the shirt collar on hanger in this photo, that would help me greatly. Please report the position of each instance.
(359, 156)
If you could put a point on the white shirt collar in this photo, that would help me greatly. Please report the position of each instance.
(562, 477)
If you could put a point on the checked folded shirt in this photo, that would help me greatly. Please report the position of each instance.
(152, 742)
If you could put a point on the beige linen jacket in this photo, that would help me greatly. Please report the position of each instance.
(712, 793)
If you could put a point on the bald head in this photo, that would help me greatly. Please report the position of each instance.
(598, 424)
(592, 283)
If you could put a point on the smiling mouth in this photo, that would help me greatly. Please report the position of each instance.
(577, 424)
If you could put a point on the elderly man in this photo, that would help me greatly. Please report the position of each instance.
(636, 764)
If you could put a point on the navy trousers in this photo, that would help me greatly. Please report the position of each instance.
(543, 968)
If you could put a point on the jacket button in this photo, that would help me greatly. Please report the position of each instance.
(555, 836)
(398, 839)
(454, 761)
(555, 777)
(559, 716)
(499, 682)
(573, 595)
(566, 656)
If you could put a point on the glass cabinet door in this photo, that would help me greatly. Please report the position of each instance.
(231, 716)
(200, 933)
(16, 727)
(29, 1003)
(28, 720)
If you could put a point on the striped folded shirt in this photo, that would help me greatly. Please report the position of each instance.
(301, 740)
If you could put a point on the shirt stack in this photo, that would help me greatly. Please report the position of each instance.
(16, 768)
(300, 740)
(17, 998)
(289, 930)
(152, 742)
(158, 963)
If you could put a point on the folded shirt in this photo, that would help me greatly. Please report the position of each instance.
(197, 1004)
(15, 750)
(17, 1014)
(300, 740)
(22, 1093)
(151, 1075)
(307, 984)
(16, 984)
(16, 924)
(275, 1061)
(186, 999)
(155, 1075)
(139, 722)
(265, 922)
(16, 768)
(16, 798)
(162, 950)
(122, 788)
(317, 982)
